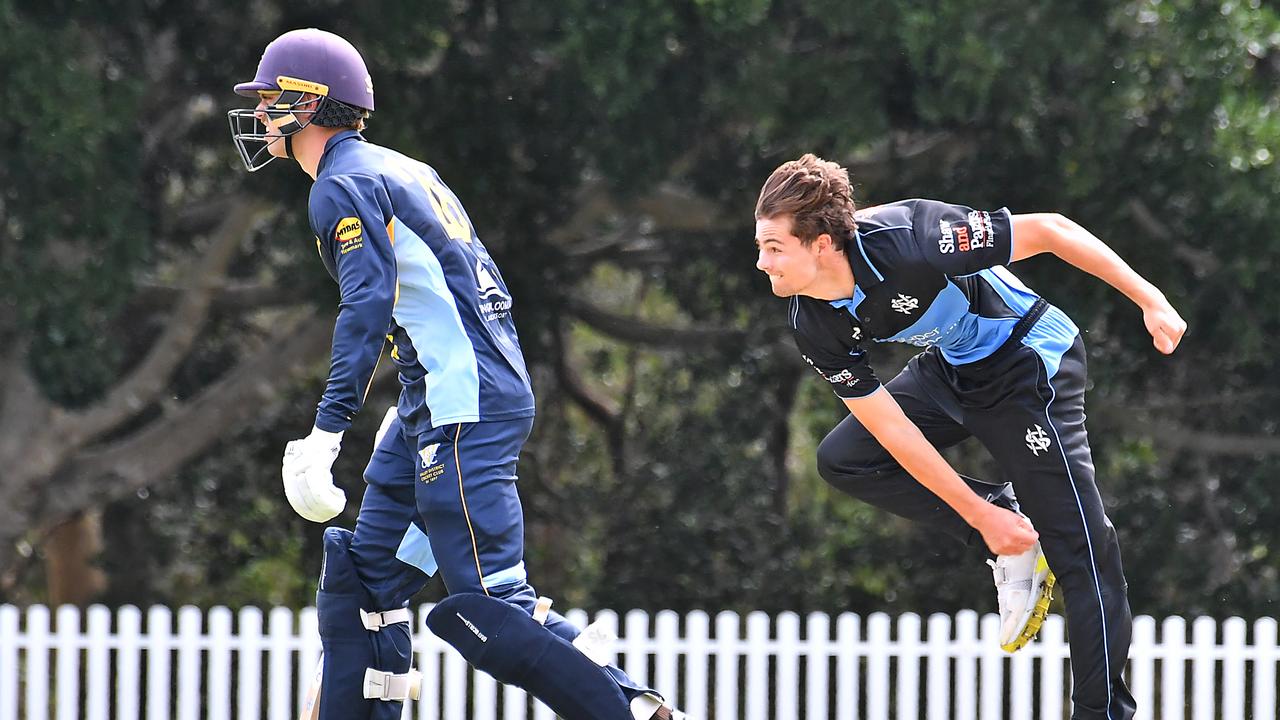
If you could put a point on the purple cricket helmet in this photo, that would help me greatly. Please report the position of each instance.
(318, 58)
(297, 64)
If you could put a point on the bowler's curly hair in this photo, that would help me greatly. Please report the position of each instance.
(816, 194)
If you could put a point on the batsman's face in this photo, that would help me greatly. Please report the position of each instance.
(274, 146)
(790, 264)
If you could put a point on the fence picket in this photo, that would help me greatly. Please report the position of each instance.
(1173, 640)
(991, 666)
(8, 661)
(1142, 666)
(764, 667)
(249, 667)
(817, 673)
(128, 662)
(1052, 691)
(280, 664)
(1204, 631)
(1264, 669)
(937, 669)
(908, 685)
(787, 679)
(696, 664)
(666, 633)
(967, 649)
(848, 679)
(159, 628)
(68, 661)
(99, 668)
(878, 666)
(757, 680)
(309, 650)
(727, 652)
(189, 626)
(219, 671)
(1233, 645)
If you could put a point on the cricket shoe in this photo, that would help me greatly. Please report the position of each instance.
(1024, 587)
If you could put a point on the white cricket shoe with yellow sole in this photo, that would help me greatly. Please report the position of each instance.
(1024, 587)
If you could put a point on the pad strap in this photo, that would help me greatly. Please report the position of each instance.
(541, 610)
(381, 685)
(375, 621)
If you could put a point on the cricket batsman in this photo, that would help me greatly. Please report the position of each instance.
(441, 484)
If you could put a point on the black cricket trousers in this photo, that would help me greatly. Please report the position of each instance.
(1033, 425)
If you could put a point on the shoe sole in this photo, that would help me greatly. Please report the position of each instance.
(1038, 614)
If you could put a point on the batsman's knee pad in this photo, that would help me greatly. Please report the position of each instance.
(504, 641)
(367, 653)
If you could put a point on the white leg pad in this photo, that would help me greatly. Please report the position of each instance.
(380, 685)
(375, 621)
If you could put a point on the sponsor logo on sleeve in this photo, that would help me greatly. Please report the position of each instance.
(972, 233)
(350, 235)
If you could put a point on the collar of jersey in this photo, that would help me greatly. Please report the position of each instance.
(331, 143)
(851, 304)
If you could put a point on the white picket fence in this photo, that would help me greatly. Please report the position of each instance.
(220, 665)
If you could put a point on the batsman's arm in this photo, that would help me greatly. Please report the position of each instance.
(1036, 233)
(1005, 532)
(355, 242)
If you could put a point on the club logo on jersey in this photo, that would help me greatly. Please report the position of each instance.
(430, 470)
(904, 304)
(972, 233)
(350, 235)
(1037, 440)
(494, 303)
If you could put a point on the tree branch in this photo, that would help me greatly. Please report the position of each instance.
(633, 330)
(1203, 262)
(599, 409)
(137, 390)
(227, 296)
(1213, 443)
(161, 448)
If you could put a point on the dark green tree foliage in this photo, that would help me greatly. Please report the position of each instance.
(610, 154)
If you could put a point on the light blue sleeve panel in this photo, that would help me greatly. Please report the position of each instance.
(427, 311)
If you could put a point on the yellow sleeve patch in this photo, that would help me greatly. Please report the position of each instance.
(350, 234)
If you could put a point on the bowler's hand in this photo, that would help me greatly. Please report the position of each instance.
(1006, 532)
(308, 477)
(1165, 325)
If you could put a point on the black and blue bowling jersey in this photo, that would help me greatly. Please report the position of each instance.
(925, 273)
(412, 270)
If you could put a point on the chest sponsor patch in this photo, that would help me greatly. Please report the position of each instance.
(350, 234)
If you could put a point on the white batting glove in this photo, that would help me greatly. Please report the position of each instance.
(307, 470)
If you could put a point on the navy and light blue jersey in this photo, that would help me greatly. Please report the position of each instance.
(411, 269)
(926, 273)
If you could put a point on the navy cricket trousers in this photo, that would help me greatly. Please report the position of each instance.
(1027, 408)
(446, 501)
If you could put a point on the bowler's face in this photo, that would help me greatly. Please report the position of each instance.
(790, 265)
